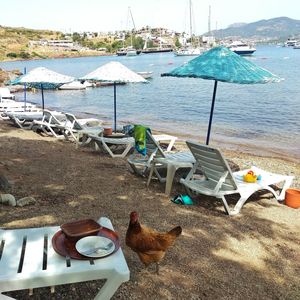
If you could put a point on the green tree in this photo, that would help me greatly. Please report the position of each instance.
(177, 43)
(76, 37)
(24, 55)
(12, 54)
(150, 44)
(116, 45)
(101, 45)
(138, 43)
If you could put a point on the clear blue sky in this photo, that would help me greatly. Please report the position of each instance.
(110, 15)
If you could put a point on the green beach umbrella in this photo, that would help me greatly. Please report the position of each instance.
(117, 73)
(221, 64)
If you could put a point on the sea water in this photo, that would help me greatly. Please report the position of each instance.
(259, 118)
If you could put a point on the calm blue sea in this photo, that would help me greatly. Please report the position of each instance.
(262, 118)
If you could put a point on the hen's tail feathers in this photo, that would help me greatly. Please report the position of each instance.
(176, 231)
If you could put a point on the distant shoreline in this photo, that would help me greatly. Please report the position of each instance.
(58, 57)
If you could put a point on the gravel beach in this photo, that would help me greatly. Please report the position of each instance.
(253, 255)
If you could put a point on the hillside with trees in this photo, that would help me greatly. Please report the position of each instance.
(14, 42)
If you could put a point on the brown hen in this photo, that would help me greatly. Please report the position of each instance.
(149, 244)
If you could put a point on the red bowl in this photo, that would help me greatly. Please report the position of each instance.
(81, 228)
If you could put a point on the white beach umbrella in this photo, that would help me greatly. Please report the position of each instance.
(43, 78)
(117, 73)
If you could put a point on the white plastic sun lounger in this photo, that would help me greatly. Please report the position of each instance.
(51, 123)
(11, 106)
(28, 260)
(80, 129)
(219, 181)
(112, 145)
(24, 119)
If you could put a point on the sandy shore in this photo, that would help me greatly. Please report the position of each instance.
(254, 255)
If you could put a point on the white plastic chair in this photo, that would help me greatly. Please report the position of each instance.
(156, 160)
(217, 179)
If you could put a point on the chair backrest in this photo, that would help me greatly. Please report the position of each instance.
(153, 148)
(51, 118)
(213, 165)
(74, 123)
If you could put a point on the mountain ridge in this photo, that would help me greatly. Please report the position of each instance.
(280, 28)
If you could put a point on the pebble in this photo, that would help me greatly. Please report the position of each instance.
(26, 201)
(8, 199)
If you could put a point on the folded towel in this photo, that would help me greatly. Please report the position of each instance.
(140, 138)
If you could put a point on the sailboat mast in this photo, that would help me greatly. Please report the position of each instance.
(191, 29)
(132, 18)
(209, 20)
(130, 15)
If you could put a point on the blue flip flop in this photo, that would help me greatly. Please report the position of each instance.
(182, 199)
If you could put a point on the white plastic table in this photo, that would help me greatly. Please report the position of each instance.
(59, 269)
(173, 161)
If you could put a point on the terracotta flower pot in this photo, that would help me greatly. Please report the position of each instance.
(107, 131)
(292, 198)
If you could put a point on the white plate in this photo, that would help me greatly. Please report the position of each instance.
(102, 246)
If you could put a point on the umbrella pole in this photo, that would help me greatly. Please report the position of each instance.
(115, 107)
(43, 104)
(211, 112)
(25, 92)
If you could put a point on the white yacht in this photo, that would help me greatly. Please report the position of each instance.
(241, 48)
(190, 51)
(146, 74)
(290, 43)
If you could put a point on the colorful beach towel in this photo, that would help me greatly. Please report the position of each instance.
(140, 136)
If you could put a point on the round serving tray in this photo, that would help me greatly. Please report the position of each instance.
(66, 247)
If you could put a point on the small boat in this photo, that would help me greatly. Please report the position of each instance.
(297, 46)
(128, 51)
(290, 43)
(88, 84)
(146, 74)
(191, 51)
(74, 85)
(241, 48)
(122, 52)
(131, 51)
(157, 50)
